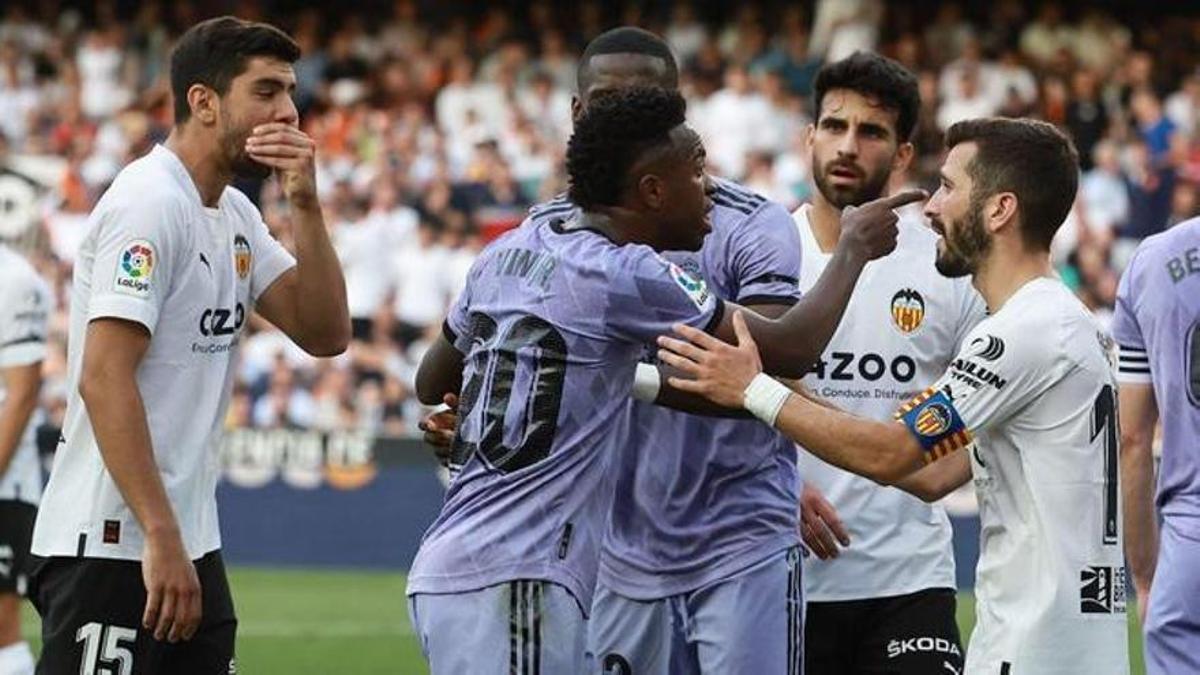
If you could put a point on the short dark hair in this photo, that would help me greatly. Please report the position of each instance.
(627, 40)
(879, 77)
(612, 134)
(1029, 158)
(215, 51)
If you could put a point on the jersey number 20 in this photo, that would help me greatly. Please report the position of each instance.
(494, 375)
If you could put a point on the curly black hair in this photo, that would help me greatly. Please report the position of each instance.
(876, 76)
(613, 133)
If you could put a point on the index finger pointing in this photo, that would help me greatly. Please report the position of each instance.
(901, 198)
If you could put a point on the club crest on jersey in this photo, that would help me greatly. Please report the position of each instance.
(241, 256)
(695, 288)
(135, 268)
(908, 310)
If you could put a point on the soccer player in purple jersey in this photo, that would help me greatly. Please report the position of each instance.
(543, 344)
(1157, 328)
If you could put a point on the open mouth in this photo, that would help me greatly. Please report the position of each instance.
(844, 173)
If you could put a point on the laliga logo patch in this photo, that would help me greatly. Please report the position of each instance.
(696, 289)
(135, 268)
(908, 310)
(241, 256)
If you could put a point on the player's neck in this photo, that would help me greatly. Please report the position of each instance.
(620, 225)
(826, 222)
(1004, 273)
(202, 164)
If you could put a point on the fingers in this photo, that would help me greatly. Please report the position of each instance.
(902, 198)
(690, 386)
(829, 517)
(741, 330)
(680, 363)
(187, 618)
(166, 616)
(451, 401)
(153, 606)
(681, 348)
(697, 336)
(818, 540)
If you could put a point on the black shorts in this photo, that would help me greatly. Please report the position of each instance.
(92, 609)
(16, 531)
(899, 635)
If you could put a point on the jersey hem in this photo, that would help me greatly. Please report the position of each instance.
(664, 584)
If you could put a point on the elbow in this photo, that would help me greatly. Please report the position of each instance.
(1135, 444)
(330, 345)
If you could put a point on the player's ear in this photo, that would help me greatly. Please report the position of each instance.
(904, 155)
(652, 191)
(1000, 210)
(576, 107)
(203, 102)
(809, 131)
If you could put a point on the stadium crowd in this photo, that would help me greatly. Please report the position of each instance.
(438, 128)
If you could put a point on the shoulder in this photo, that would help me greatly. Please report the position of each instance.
(735, 203)
(241, 204)
(1042, 326)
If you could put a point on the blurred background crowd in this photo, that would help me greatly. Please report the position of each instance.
(439, 124)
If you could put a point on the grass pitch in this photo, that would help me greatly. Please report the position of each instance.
(302, 622)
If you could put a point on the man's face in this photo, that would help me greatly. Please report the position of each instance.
(261, 94)
(957, 215)
(684, 211)
(854, 148)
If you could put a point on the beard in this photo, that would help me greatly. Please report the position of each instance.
(871, 188)
(963, 245)
(233, 143)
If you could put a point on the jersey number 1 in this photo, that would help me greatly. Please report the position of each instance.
(1104, 423)
(493, 377)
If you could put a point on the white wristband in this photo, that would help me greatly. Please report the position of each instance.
(764, 397)
(646, 383)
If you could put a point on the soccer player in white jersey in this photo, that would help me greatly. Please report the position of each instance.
(886, 603)
(1028, 408)
(25, 304)
(130, 577)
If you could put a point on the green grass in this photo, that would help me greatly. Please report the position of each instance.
(356, 623)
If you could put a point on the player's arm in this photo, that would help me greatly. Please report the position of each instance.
(113, 349)
(932, 482)
(22, 383)
(1138, 417)
(792, 343)
(307, 302)
(440, 372)
(883, 451)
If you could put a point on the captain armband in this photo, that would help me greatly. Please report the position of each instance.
(933, 420)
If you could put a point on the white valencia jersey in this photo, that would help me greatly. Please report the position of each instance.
(25, 305)
(1034, 384)
(155, 255)
(901, 329)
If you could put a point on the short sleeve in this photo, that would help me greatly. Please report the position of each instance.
(136, 248)
(25, 305)
(269, 259)
(765, 252)
(456, 328)
(994, 376)
(1133, 362)
(647, 295)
